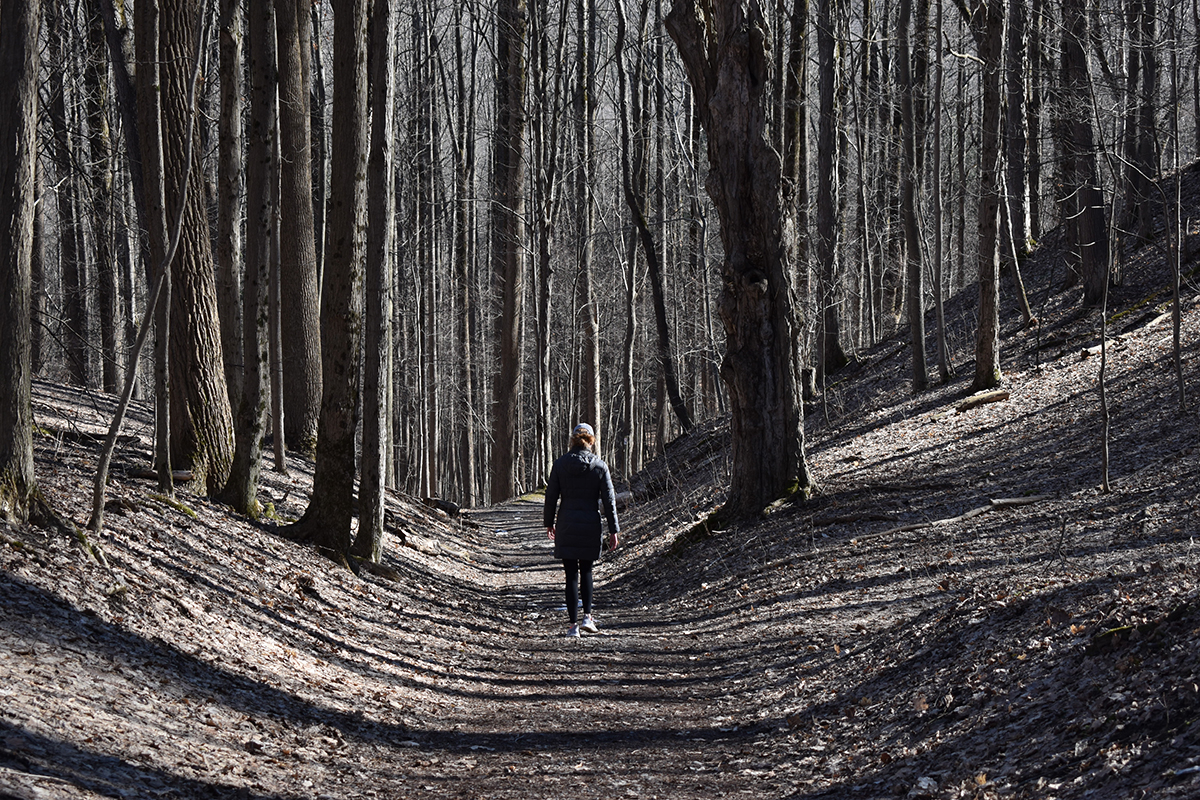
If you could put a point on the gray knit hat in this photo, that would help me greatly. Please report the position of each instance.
(583, 427)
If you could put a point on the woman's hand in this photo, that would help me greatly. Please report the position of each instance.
(613, 541)
(550, 531)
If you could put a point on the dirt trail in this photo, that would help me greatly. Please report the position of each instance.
(641, 709)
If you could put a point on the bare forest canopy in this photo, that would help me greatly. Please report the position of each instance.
(424, 239)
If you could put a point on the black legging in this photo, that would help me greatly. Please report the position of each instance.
(579, 580)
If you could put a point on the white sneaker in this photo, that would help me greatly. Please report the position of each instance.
(588, 625)
(573, 632)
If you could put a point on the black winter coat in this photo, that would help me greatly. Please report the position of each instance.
(582, 481)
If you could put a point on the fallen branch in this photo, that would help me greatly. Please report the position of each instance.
(981, 399)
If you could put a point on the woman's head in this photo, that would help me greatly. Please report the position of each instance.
(583, 436)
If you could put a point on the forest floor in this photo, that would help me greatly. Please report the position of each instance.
(959, 611)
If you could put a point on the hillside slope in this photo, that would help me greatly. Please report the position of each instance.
(959, 611)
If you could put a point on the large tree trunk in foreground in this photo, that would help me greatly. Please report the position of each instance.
(727, 65)
(327, 521)
(18, 127)
(202, 424)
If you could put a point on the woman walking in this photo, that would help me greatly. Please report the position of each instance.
(582, 481)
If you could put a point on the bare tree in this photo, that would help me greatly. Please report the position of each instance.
(102, 201)
(67, 154)
(380, 212)
(299, 291)
(241, 490)
(327, 521)
(508, 237)
(908, 201)
(585, 191)
(939, 288)
(725, 58)
(18, 127)
(832, 356)
(1084, 211)
(986, 21)
(230, 192)
(646, 236)
(202, 426)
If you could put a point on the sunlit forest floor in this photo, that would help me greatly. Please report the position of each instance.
(959, 610)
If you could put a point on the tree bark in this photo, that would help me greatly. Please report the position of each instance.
(548, 77)
(585, 111)
(202, 426)
(1015, 240)
(327, 521)
(726, 63)
(380, 212)
(1087, 206)
(986, 20)
(943, 354)
(829, 338)
(103, 203)
(795, 168)
(230, 193)
(464, 258)
(18, 156)
(508, 238)
(241, 490)
(299, 291)
(153, 191)
(908, 202)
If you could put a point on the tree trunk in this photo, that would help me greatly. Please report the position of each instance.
(327, 521)
(547, 76)
(202, 427)
(299, 291)
(18, 156)
(795, 167)
(70, 222)
(987, 26)
(230, 193)
(464, 257)
(318, 136)
(508, 238)
(908, 202)
(943, 355)
(380, 212)
(241, 490)
(829, 339)
(1033, 120)
(724, 57)
(588, 314)
(150, 136)
(1015, 231)
(103, 209)
(1090, 228)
